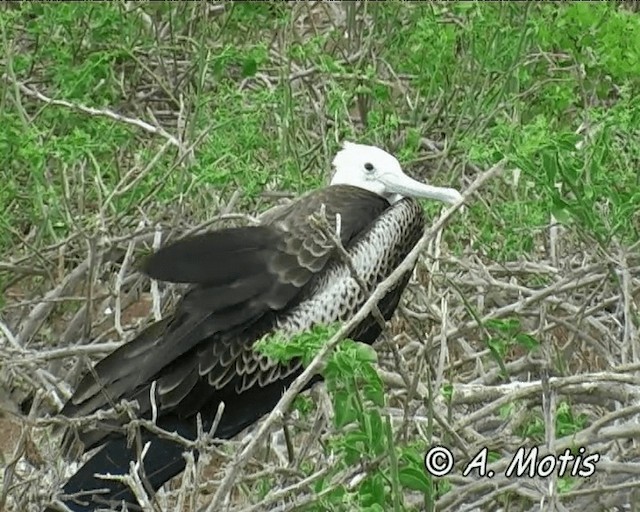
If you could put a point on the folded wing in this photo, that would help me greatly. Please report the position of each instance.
(240, 278)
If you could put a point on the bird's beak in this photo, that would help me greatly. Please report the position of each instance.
(408, 187)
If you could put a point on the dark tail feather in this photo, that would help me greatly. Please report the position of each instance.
(163, 460)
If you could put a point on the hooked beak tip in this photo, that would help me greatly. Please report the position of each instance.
(455, 196)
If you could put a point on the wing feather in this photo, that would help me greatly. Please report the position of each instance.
(214, 258)
(239, 276)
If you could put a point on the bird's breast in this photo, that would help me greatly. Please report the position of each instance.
(374, 254)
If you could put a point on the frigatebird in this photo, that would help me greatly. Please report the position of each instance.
(285, 276)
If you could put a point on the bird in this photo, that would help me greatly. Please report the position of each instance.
(283, 276)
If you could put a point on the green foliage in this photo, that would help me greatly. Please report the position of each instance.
(302, 346)
(505, 334)
(566, 423)
(365, 435)
(511, 81)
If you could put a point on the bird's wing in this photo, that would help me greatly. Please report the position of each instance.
(238, 275)
(230, 364)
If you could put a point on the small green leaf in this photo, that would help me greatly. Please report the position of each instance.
(249, 67)
(550, 165)
(527, 341)
(562, 215)
(497, 346)
(374, 393)
(415, 479)
(377, 439)
(366, 353)
(372, 493)
(447, 391)
(304, 404)
(506, 325)
(345, 413)
(493, 456)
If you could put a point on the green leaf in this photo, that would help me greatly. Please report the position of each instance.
(249, 67)
(344, 412)
(372, 492)
(374, 393)
(497, 346)
(415, 479)
(354, 444)
(562, 215)
(550, 165)
(527, 341)
(493, 456)
(447, 391)
(506, 325)
(376, 434)
(366, 353)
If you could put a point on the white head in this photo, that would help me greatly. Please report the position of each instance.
(377, 171)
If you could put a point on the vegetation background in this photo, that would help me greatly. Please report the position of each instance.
(123, 121)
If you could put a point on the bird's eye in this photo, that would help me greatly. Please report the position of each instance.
(368, 166)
